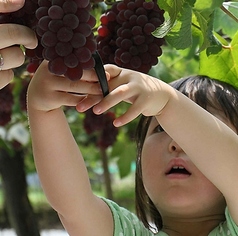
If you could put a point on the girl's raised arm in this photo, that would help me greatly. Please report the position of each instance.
(208, 141)
(58, 159)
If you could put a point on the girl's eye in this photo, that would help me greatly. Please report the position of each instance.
(158, 129)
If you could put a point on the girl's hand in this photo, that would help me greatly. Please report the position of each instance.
(147, 95)
(12, 34)
(48, 92)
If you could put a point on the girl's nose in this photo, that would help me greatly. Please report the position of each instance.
(174, 147)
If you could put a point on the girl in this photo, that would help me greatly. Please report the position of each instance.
(186, 173)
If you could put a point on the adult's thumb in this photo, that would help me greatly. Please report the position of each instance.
(10, 5)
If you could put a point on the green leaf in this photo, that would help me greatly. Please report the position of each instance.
(223, 65)
(207, 6)
(126, 153)
(177, 26)
(204, 12)
(172, 7)
(180, 35)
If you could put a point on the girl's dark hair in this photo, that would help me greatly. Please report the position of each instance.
(206, 92)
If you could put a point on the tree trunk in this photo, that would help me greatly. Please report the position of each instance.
(19, 210)
(106, 174)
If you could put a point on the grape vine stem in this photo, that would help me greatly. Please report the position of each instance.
(229, 13)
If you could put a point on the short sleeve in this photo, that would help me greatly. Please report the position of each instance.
(227, 228)
(125, 222)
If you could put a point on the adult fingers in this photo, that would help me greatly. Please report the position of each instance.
(12, 57)
(11, 5)
(12, 34)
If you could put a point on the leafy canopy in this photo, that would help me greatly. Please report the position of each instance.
(186, 20)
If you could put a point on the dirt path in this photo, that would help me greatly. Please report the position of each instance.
(9, 232)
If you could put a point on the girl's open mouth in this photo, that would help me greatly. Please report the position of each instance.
(178, 172)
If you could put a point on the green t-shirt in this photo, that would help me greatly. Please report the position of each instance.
(128, 224)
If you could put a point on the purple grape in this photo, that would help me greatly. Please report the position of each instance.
(63, 49)
(65, 34)
(55, 25)
(70, 7)
(78, 40)
(71, 21)
(49, 39)
(44, 22)
(57, 66)
(71, 61)
(56, 12)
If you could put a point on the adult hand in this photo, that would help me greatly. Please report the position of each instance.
(12, 56)
(11, 5)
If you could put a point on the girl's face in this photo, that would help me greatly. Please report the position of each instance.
(174, 184)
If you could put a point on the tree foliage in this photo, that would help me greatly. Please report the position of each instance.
(209, 27)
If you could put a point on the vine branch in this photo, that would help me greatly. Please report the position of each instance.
(229, 13)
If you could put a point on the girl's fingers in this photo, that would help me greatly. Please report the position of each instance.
(89, 75)
(68, 99)
(113, 70)
(132, 112)
(88, 102)
(119, 94)
(61, 83)
(79, 87)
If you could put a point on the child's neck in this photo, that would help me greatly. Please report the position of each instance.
(188, 227)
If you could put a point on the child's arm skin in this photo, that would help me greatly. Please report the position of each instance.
(61, 166)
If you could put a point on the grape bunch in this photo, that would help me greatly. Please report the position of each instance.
(64, 31)
(125, 34)
(101, 127)
(65, 28)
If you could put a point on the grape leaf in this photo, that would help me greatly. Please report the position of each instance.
(177, 28)
(127, 156)
(180, 35)
(204, 12)
(222, 66)
(172, 7)
(125, 151)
